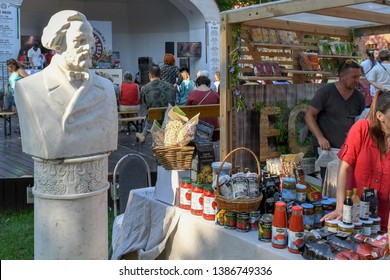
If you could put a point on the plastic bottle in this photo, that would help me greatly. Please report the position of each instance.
(279, 226)
(295, 229)
(364, 205)
(347, 208)
(355, 206)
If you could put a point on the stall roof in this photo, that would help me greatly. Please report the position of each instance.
(318, 16)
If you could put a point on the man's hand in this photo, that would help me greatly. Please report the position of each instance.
(324, 143)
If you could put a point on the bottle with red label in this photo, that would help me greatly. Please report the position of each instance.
(279, 226)
(209, 204)
(197, 199)
(185, 193)
(296, 229)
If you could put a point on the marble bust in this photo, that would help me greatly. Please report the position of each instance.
(65, 110)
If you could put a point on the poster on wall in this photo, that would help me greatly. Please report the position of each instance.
(213, 46)
(102, 52)
(9, 36)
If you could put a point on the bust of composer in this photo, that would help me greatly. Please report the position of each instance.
(67, 111)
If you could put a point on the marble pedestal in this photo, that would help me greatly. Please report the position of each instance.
(70, 208)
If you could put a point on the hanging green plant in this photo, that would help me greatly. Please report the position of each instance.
(234, 70)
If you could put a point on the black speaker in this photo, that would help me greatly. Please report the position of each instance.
(144, 64)
(170, 47)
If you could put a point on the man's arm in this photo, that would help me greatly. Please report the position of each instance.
(311, 121)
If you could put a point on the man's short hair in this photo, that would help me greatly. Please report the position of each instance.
(384, 55)
(155, 71)
(202, 80)
(347, 64)
(54, 33)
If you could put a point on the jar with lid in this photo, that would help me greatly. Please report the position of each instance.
(367, 227)
(289, 189)
(358, 227)
(308, 215)
(197, 199)
(209, 204)
(376, 224)
(317, 214)
(185, 193)
(327, 206)
(295, 229)
(332, 225)
(301, 193)
(279, 226)
(344, 230)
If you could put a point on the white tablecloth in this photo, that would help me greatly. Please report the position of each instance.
(155, 229)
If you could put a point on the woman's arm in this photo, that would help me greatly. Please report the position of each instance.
(340, 194)
(22, 72)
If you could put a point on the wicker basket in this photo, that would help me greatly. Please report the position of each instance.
(238, 205)
(174, 158)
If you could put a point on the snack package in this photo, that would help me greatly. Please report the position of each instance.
(172, 130)
(304, 61)
(256, 35)
(187, 133)
(201, 170)
(157, 134)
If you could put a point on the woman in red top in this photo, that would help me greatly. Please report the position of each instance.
(366, 152)
(204, 95)
(128, 94)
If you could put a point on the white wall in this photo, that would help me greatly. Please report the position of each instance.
(140, 27)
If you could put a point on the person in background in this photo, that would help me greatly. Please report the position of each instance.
(170, 73)
(366, 151)
(34, 56)
(204, 95)
(334, 107)
(379, 76)
(16, 72)
(215, 85)
(367, 64)
(48, 56)
(156, 93)
(186, 86)
(202, 73)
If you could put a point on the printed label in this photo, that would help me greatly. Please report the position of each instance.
(355, 213)
(294, 239)
(364, 209)
(308, 220)
(185, 196)
(288, 194)
(279, 235)
(347, 214)
(196, 201)
(209, 205)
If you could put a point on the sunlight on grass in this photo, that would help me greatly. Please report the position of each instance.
(17, 234)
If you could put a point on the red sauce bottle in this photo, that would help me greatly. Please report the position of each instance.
(295, 229)
(279, 226)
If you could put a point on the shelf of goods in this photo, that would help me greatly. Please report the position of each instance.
(289, 52)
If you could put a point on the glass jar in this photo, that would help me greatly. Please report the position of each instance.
(301, 193)
(289, 189)
(308, 215)
(332, 225)
(197, 199)
(376, 224)
(327, 206)
(209, 204)
(185, 193)
(317, 214)
(279, 226)
(344, 229)
(367, 227)
(358, 227)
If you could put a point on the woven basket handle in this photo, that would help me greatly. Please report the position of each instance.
(228, 155)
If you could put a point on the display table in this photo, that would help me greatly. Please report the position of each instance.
(157, 230)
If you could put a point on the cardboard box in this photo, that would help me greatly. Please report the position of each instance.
(168, 184)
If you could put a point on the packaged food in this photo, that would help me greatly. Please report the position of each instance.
(265, 35)
(201, 170)
(172, 130)
(256, 35)
(187, 132)
(157, 134)
(273, 38)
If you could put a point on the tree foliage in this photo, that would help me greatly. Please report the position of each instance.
(234, 4)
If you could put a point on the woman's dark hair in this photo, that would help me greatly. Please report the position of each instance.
(14, 62)
(381, 103)
(202, 80)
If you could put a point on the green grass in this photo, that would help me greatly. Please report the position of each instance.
(17, 234)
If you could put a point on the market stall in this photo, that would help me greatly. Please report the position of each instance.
(298, 41)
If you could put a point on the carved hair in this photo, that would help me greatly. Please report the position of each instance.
(54, 33)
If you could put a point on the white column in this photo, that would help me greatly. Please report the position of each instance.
(70, 208)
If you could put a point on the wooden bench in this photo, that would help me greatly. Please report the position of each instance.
(7, 117)
(131, 118)
(190, 111)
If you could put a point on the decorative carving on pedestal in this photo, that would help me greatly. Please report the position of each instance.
(71, 176)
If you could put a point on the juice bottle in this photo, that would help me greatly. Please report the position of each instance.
(347, 208)
(355, 206)
(279, 226)
(295, 229)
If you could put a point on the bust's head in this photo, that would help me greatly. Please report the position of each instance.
(71, 35)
